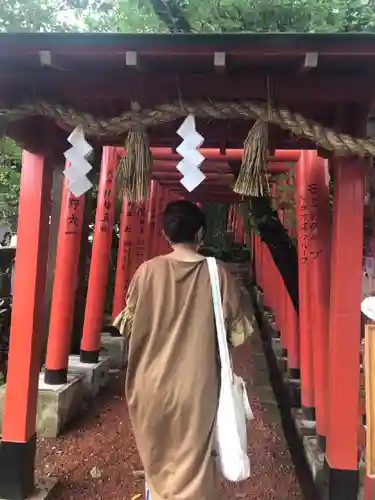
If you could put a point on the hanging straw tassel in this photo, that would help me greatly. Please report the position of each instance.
(135, 169)
(252, 180)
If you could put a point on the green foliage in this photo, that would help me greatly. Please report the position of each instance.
(10, 166)
(280, 15)
(219, 16)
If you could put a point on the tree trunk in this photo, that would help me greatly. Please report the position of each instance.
(273, 233)
(281, 247)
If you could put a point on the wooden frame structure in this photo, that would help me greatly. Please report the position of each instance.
(327, 78)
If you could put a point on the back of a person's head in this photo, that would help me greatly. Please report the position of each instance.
(182, 220)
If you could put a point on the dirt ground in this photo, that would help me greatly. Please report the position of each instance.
(97, 457)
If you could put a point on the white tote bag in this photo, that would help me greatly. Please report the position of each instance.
(230, 442)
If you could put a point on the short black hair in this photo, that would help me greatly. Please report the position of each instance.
(182, 220)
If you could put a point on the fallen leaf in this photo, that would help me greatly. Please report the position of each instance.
(95, 472)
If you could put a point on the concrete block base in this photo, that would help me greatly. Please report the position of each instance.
(43, 489)
(304, 427)
(58, 405)
(115, 349)
(95, 375)
(293, 386)
(276, 346)
(315, 459)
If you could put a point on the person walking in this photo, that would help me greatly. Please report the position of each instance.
(173, 373)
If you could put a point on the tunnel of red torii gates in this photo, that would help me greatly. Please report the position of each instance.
(312, 312)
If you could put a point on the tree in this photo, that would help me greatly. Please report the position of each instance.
(10, 167)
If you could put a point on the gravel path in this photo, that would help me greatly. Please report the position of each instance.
(97, 457)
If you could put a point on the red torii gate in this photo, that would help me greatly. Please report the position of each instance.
(318, 93)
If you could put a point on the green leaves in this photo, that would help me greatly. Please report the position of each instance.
(215, 16)
(10, 167)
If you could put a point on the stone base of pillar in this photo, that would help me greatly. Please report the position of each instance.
(276, 346)
(339, 484)
(293, 387)
(315, 459)
(116, 349)
(57, 405)
(17, 474)
(304, 427)
(43, 490)
(95, 375)
(259, 299)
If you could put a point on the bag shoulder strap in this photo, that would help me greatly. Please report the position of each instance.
(219, 316)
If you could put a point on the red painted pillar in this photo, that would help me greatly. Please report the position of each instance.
(293, 340)
(18, 445)
(235, 226)
(140, 241)
(64, 287)
(154, 221)
(260, 261)
(282, 293)
(317, 178)
(164, 247)
(159, 237)
(101, 249)
(151, 220)
(344, 330)
(292, 320)
(304, 235)
(123, 259)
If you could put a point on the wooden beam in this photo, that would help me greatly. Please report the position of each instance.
(127, 85)
(257, 46)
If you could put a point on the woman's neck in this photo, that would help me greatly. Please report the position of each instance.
(186, 252)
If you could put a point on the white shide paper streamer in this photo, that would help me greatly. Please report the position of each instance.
(191, 157)
(76, 173)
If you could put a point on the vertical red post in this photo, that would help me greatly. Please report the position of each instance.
(260, 278)
(292, 320)
(64, 287)
(344, 330)
(154, 219)
(151, 220)
(293, 340)
(159, 237)
(319, 283)
(18, 446)
(123, 260)
(304, 235)
(101, 249)
(140, 241)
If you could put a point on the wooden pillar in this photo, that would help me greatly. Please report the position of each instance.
(140, 240)
(64, 287)
(101, 249)
(123, 257)
(158, 232)
(291, 315)
(317, 178)
(151, 220)
(293, 340)
(304, 235)
(341, 466)
(154, 221)
(18, 446)
(56, 194)
(164, 245)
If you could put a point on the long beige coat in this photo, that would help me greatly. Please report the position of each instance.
(172, 381)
